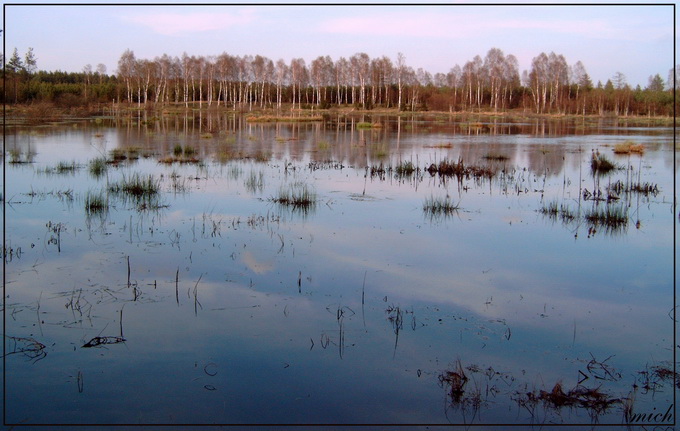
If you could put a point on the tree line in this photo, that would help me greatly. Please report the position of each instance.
(492, 83)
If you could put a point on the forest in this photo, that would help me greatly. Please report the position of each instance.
(492, 83)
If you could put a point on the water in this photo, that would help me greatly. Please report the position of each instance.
(210, 303)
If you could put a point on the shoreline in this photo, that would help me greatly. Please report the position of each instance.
(35, 114)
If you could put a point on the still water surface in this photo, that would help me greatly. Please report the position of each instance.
(210, 303)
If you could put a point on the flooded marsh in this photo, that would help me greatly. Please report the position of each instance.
(339, 270)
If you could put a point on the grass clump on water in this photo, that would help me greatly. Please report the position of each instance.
(438, 207)
(255, 182)
(449, 168)
(405, 169)
(96, 203)
(611, 218)
(298, 196)
(628, 147)
(601, 165)
(554, 210)
(66, 167)
(61, 168)
(180, 155)
(610, 215)
(98, 167)
(178, 150)
(137, 185)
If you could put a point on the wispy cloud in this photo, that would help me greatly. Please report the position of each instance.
(169, 24)
(423, 24)
(453, 24)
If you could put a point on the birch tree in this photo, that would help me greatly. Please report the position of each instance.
(101, 71)
(401, 65)
(126, 66)
(281, 72)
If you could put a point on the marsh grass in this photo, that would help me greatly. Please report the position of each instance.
(612, 218)
(619, 187)
(66, 167)
(178, 184)
(14, 156)
(262, 157)
(298, 196)
(406, 169)
(589, 398)
(554, 210)
(378, 171)
(454, 381)
(601, 165)
(234, 171)
(448, 168)
(177, 150)
(61, 168)
(97, 167)
(255, 182)
(439, 207)
(117, 155)
(96, 202)
(629, 147)
(141, 188)
(645, 188)
(224, 156)
(181, 155)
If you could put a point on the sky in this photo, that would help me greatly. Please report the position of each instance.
(636, 40)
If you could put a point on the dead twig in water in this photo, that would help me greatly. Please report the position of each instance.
(98, 341)
(196, 296)
(31, 348)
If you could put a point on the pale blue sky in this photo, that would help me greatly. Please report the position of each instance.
(635, 40)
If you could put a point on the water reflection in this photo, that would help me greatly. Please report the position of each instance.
(328, 272)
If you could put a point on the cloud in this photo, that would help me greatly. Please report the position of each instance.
(169, 24)
(453, 24)
(254, 265)
(426, 24)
